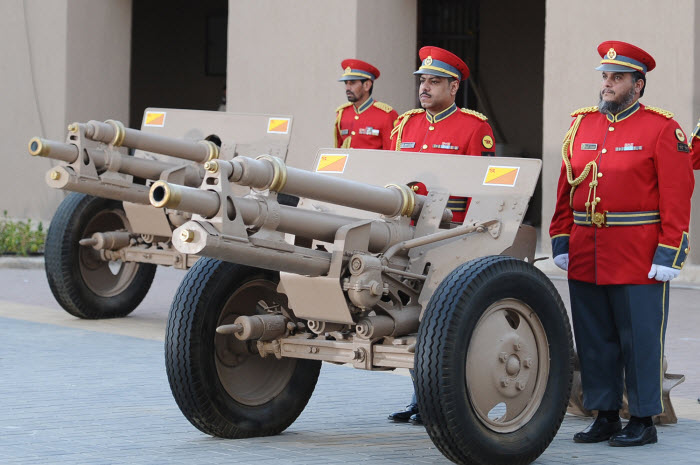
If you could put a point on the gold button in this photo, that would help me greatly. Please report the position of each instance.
(431, 128)
(352, 133)
(604, 151)
(682, 263)
(600, 175)
(597, 199)
(611, 128)
(425, 146)
(415, 188)
(686, 250)
(357, 117)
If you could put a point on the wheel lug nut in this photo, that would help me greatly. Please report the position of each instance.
(505, 382)
(503, 356)
(517, 346)
(527, 362)
(520, 385)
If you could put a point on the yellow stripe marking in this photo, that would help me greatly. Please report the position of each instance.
(661, 344)
(623, 63)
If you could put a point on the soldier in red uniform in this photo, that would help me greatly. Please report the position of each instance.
(440, 127)
(695, 147)
(620, 228)
(368, 124)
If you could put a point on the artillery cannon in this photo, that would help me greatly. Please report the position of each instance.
(105, 240)
(374, 277)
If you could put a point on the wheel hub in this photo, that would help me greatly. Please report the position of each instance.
(507, 365)
(247, 377)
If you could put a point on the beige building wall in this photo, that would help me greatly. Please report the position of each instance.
(666, 29)
(63, 61)
(284, 57)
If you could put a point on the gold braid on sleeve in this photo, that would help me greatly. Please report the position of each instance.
(566, 153)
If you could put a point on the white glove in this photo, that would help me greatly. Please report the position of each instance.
(562, 261)
(663, 273)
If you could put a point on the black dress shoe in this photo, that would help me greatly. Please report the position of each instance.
(404, 415)
(634, 434)
(416, 419)
(598, 431)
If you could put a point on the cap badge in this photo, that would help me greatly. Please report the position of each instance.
(348, 69)
(679, 135)
(611, 54)
(428, 61)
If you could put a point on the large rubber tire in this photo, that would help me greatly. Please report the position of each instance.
(494, 363)
(222, 386)
(82, 283)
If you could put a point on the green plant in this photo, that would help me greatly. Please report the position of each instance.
(20, 237)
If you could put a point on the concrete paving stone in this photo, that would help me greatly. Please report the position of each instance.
(85, 394)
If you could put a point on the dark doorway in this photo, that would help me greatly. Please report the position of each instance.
(452, 25)
(503, 45)
(178, 55)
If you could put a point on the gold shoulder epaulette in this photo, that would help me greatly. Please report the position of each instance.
(482, 117)
(383, 106)
(584, 110)
(659, 111)
(345, 105)
(415, 111)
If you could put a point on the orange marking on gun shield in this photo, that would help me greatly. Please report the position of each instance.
(332, 163)
(155, 119)
(278, 125)
(501, 175)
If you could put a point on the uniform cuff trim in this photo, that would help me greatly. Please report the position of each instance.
(560, 244)
(672, 257)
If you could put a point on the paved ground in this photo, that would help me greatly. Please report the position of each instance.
(95, 392)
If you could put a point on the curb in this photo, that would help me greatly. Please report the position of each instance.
(21, 263)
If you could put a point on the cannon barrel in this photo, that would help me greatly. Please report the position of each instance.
(298, 221)
(113, 161)
(115, 133)
(63, 177)
(269, 172)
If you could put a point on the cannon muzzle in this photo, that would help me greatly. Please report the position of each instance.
(110, 160)
(39, 147)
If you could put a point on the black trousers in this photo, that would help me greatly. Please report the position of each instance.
(620, 332)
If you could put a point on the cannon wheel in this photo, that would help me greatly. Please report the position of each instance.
(222, 386)
(494, 363)
(83, 284)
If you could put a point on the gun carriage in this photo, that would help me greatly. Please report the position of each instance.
(373, 277)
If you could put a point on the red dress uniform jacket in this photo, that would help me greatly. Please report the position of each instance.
(453, 131)
(642, 166)
(367, 127)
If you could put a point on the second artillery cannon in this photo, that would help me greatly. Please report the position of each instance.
(105, 240)
(376, 278)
